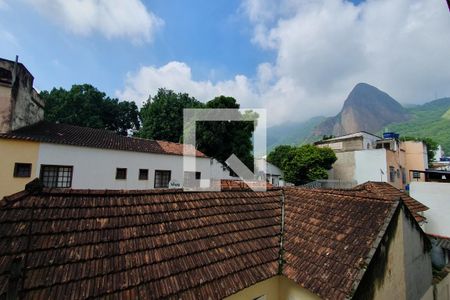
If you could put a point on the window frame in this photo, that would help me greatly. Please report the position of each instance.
(118, 170)
(56, 180)
(146, 172)
(16, 173)
(160, 185)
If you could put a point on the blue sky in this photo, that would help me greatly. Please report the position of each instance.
(211, 36)
(296, 58)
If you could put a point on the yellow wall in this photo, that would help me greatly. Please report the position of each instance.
(415, 160)
(393, 285)
(12, 151)
(275, 288)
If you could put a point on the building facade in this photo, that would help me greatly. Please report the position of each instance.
(66, 156)
(363, 157)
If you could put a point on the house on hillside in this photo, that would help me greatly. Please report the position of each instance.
(289, 243)
(363, 156)
(67, 156)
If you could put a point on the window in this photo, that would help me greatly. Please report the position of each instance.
(162, 178)
(191, 179)
(392, 174)
(56, 176)
(143, 174)
(22, 170)
(121, 173)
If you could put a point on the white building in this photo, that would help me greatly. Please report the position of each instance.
(435, 195)
(67, 156)
(273, 174)
(363, 157)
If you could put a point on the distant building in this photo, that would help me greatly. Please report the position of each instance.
(363, 156)
(440, 161)
(272, 173)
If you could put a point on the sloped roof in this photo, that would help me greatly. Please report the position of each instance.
(80, 244)
(64, 134)
(330, 236)
(199, 245)
(384, 189)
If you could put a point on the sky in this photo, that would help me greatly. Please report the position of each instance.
(296, 58)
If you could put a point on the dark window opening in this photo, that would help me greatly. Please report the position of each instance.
(56, 176)
(22, 170)
(191, 179)
(162, 178)
(392, 174)
(121, 173)
(143, 174)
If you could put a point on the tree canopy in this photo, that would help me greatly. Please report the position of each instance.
(85, 105)
(162, 119)
(162, 115)
(302, 164)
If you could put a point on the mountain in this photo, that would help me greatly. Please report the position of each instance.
(369, 109)
(431, 119)
(365, 109)
(291, 133)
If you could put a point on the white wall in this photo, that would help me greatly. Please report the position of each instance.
(436, 196)
(96, 168)
(368, 164)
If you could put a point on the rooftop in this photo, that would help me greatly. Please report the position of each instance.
(384, 189)
(196, 245)
(64, 134)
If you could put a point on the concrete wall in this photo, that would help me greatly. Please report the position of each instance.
(369, 164)
(275, 288)
(416, 158)
(20, 104)
(11, 152)
(344, 167)
(407, 272)
(96, 168)
(5, 107)
(396, 159)
(436, 196)
(442, 289)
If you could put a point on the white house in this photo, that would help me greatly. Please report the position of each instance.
(68, 156)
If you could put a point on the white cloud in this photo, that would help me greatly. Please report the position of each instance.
(323, 49)
(111, 18)
(177, 76)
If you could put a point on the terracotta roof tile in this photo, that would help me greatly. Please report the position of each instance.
(328, 237)
(156, 245)
(386, 190)
(199, 245)
(64, 134)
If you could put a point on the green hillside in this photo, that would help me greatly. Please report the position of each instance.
(429, 120)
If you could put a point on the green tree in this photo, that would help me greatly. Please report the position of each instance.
(84, 105)
(431, 144)
(220, 139)
(302, 164)
(162, 119)
(162, 115)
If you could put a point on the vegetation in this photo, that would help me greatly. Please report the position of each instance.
(302, 164)
(162, 118)
(162, 115)
(428, 121)
(84, 105)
